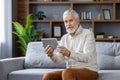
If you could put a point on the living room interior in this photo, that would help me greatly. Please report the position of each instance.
(100, 16)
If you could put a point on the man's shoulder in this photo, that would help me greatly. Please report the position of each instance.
(87, 31)
(89, 34)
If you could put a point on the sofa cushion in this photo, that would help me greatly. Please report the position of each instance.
(108, 55)
(109, 75)
(37, 58)
(29, 74)
(117, 55)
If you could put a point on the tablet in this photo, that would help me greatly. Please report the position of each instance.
(49, 41)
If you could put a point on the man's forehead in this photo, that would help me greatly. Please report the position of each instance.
(69, 16)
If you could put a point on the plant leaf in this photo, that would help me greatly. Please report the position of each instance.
(25, 34)
(28, 21)
(18, 27)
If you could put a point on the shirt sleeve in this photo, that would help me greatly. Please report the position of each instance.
(88, 51)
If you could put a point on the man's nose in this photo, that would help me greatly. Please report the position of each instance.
(68, 23)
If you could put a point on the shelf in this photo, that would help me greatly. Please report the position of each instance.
(94, 2)
(56, 20)
(40, 20)
(65, 2)
(108, 39)
(86, 20)
(46, 3)
(47, 20)
(56, 8)
(106, 20)
(80, 20)
(60, 20)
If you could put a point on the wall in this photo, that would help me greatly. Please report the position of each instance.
(19, 13)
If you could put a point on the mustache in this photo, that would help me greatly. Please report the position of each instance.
(69, 27)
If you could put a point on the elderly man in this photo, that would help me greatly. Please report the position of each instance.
(77, 47)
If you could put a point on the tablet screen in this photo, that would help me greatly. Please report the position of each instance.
(49, 41)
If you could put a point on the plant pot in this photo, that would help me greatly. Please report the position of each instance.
(40, 36)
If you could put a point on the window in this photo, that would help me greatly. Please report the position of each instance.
(6, 29)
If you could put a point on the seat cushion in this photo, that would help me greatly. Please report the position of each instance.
(37, 58)
(108, 55)
(29, 74)
(109, 75)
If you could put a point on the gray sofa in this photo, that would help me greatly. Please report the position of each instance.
(36, 63)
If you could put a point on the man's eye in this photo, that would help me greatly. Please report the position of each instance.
(71, 20)
(65, 21)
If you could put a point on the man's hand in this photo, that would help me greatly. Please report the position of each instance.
(49, 50)
(64, 51)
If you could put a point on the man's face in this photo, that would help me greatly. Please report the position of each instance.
(71, 23)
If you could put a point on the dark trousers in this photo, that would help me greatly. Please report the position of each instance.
(71, 74)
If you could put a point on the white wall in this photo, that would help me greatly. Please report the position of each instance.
(6, 28)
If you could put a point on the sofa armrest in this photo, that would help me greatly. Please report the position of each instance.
(10, 64)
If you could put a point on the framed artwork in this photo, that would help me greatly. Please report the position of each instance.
(57, 31)
(106, 14)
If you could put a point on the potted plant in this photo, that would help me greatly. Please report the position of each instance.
(40, 15)
(24, 33)
(38, 35)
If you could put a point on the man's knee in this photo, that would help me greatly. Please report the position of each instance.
(67, 73)
(46, 76)
(56, 75)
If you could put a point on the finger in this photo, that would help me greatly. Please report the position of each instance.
(59, 47)
(47, 47)
(50, 55)
(48, 50)
(59, 50)
(51, 50)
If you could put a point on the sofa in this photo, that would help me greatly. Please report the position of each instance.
(36, 63)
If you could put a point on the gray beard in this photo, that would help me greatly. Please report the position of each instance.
(72, 30)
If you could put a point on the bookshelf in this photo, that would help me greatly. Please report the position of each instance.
(99, 20)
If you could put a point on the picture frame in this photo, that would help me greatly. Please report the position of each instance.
(57, 31)
(106, 14)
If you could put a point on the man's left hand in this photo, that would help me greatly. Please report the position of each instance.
(64, 51)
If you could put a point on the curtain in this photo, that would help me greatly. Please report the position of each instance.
(0, 50)
(5, 29)
(2, 25)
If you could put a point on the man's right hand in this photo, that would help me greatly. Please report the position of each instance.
(49, 50)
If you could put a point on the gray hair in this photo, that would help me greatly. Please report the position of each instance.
(71, 11)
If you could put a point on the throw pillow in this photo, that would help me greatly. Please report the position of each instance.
(37, 58)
